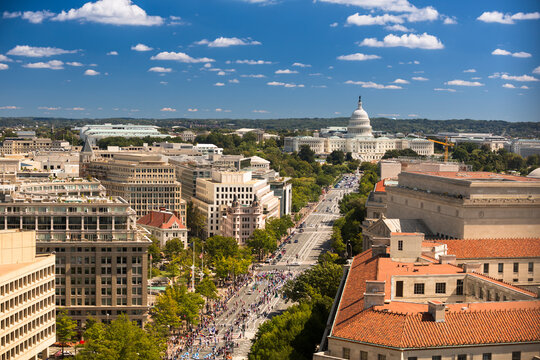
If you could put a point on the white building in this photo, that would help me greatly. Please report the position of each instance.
(165, 226)
(359, 141)
(96, 132)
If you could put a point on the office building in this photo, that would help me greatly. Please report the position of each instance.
(25, 145)
(94, 133)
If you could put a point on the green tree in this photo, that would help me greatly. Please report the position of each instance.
(196, 221)
(207, 288)
(173, 247)
(175, 305)
(306, 154)
(261, 242)
(322, 280)
(218, 246)
(65, 329)
(336, 157)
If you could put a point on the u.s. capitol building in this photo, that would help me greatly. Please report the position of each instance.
(359, 140)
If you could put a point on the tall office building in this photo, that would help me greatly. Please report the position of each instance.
(27, 310)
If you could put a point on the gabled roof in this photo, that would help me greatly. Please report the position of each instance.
(493, 248)
(160, 219)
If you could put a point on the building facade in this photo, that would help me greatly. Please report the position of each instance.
(27, 306)
(239, 221)
(165, 226)
(94, 133)
(23, 145)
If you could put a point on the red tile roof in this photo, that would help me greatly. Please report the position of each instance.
(160, 219)
(493, 248)
(379, 186)
(474, 175)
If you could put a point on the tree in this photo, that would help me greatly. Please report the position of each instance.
(196, 221)
(207, 288)
(65, 329)
(218, 246)
(336, 157)
(261, 241)
(306, 154)
(154, 249)
(175, 305)
(173, 247)
(322, 280)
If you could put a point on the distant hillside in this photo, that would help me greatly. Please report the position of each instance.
(426, 126)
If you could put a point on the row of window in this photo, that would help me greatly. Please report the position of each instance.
(26, 280)
(420, 288)
(500, 267)
(26, 296)
(28, 343)
(23, 314)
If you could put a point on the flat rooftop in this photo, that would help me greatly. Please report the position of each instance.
(475, 176)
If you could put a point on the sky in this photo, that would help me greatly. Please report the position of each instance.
(270, 58)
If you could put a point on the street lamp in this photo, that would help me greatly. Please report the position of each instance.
(348, 253)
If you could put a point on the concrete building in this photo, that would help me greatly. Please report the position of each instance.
(240, 220)
(391, 168)
(468, 205)
(359, 141)
(188, 135)
(25, 145)
(397, 303)
(215, 195)
(94, 133)
(165, 226)
(524, 147)
(147, 182)
(27, 308)
(101, 255)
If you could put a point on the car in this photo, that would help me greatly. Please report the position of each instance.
(296, 263)
(295, 241)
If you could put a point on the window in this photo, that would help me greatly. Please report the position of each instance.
(501, 266)
(399, 288)
(459, 287)
(412, 358)
(400, 245)
(516, 267)
(346, 353)
(531, 267)
(381, 357)
(440, 288)
(419, 288)
(436, 357)
(363, 355)
(486, 268)
(516, 355)
(462, 357)
(486, 356)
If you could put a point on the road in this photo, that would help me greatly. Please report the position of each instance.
(301, 253)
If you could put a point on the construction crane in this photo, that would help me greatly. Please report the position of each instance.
(446, 144)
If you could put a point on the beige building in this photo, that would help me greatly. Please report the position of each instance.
(27, 308)
(397, 303)
(147, 182)
(215, 195)
(468, 205)
(391, 168)
(241, 220)
(24, 145)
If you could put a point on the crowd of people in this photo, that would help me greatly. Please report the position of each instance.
(229, 318)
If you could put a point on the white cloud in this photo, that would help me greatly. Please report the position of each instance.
(469, 71)
(358, 57)
(76, 108)
(450, 20)
(35, 17)
(141, 47)
(508, 86)
(180, 56)
(521, 78)
(536, 70)
(36, 51)
(413, 115)
(463, 83)
(260, 111)
(163, 82)
(4, 66)
(219, 84)
(4, 58)
(400, 81)
(398, 27)
(160, 69)
(226, 42)
(499, 17)
(74, 63)
(412, 41)
(362, 20)
(441, 89)
(113, 53)
(168, 109)
(420, 78)
(301, 65)
(9, 107)
(91, 72)
(520, 54)
(234, 81)
(412, 12)
(285, 71)
(255, 76)
(11, 15)
(221, 73)
(334, 24)
(523, 87)
(319, 86)
(192, 109)
(370, 84)
(116, 12)
(53, 65)
(287, 85)
(253, 62)
(49, 108)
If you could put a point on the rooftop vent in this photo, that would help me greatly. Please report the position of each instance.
(436, 309)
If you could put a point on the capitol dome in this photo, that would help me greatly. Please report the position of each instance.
(359, 124)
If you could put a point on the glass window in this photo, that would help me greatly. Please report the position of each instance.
(501, 266)
(516, 355)
(462, 357)
(486, 356)
(440, 288)
(400, 245)
(486, 268)
(419, 288)
(346, 353)
(516, 267)
(459, 287)
(531, 267)
(399, 288)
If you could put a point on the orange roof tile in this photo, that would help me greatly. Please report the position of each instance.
(160, 219)
(493, 248)
(379, 186)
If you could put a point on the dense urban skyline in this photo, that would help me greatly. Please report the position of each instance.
(269, 59)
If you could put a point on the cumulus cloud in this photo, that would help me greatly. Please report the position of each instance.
(255, 76)
(180, 56)
(536, 70)
(358, 57)
(113, 53)
(398, 27)
(301, 65)
(168, 109)
(226, 42)
(91, 72)
(521, 78)
(234, 81)
(52, 65)
(4, 66)
(501, 18)
(9, 107)
(115, 12)
(400, 81)
(36, 51)
(4, 58)
(35, 17)
(219, 84)
(285, 71)
(449, 20)
(520, 54)
(49, 108)
(411, 12)
(160, 69)
(420, 78)
(371, 84)
(334, 24)
(76, 108)
(469, 71)
(362, 20)
(260, 111)
(221, 73)
(163, 82)
(192, 109)
(74, 63)
(253, 62)
(287, 85)
(443, 89)
(508, 86)
(463, 83)
(412, 41)
(141, 47)
(523, 87)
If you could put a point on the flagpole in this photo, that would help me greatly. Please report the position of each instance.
(193, 268)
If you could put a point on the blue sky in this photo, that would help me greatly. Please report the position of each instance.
(270, 58)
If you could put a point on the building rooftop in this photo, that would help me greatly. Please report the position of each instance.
(493, 248)
(160, 219)
(475, 176)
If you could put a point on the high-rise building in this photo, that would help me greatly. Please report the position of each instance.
(27, 308)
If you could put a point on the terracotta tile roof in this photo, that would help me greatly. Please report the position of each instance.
(480, 324)
(475, 175)
(493, 248)
(379, 186)
(160, 219)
